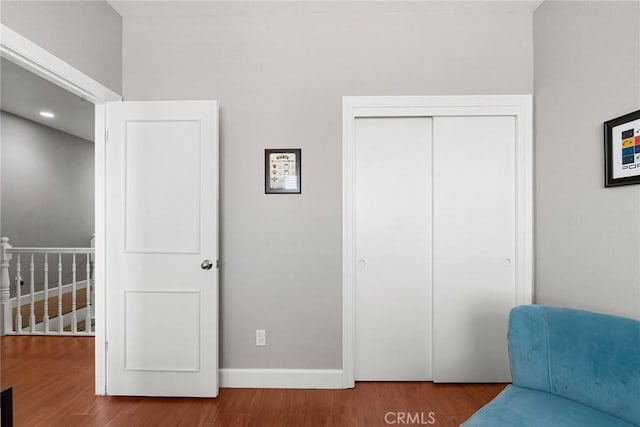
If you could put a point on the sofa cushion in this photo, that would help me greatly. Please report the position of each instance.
(519, 407)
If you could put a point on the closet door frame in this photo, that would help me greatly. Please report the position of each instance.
(518, 106)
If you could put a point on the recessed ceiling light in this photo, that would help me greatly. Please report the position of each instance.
(47, 114)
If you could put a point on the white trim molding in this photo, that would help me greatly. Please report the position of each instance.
(23, 52)
(32, 57)
(281, 378)
(519, 106)
(100, 239)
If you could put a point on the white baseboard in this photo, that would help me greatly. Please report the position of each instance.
(281, 378)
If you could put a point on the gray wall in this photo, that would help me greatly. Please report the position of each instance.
(587, 71)
(47, 180)
(86, 34)
(279, 71)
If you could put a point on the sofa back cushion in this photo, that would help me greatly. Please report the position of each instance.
(590, 358)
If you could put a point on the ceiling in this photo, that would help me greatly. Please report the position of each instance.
(205, 7)
(26, 94)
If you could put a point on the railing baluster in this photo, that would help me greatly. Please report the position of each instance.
(87, 322)
(60, 319)
(18, 296)
(74, 317)
(36, 313)
(32, 299)
(45, 316)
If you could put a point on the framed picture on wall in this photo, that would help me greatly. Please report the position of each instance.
(622, 150)
(282, 171)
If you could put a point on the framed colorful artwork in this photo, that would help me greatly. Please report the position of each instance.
(282, 171)
(622, 150)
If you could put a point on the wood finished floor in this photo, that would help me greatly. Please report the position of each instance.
(53, 385)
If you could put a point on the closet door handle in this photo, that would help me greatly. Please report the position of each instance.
(507, 262)
(362, 262)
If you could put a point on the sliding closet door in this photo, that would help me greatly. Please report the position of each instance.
(474, 204)
(393, 248)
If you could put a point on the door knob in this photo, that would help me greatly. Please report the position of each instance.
(206, 265)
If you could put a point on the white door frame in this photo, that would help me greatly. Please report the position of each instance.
(28, 55)
(519, 106)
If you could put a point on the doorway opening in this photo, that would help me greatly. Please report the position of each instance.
(47, 205)
(23, 53)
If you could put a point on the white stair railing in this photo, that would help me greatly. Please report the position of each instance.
(12, 309)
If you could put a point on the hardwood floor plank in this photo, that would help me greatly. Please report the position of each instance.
(54, 385)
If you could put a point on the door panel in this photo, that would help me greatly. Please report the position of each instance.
(162, 307)
(474, 246)
(153, 181)
(161, 330)
(393, 249)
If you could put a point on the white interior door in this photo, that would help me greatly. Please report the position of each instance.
(393, 248)
(474, 211)
(162, 305)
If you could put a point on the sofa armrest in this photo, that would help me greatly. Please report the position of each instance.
(529, 348)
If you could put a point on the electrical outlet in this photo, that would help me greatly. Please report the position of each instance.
(261, 337)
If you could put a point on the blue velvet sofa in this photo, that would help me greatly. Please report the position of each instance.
(569, 368)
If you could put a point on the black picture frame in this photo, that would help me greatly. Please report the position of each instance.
(283, 171)
(622, 150)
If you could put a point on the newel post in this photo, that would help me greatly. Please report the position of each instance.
(6, 323)
(93, 245)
